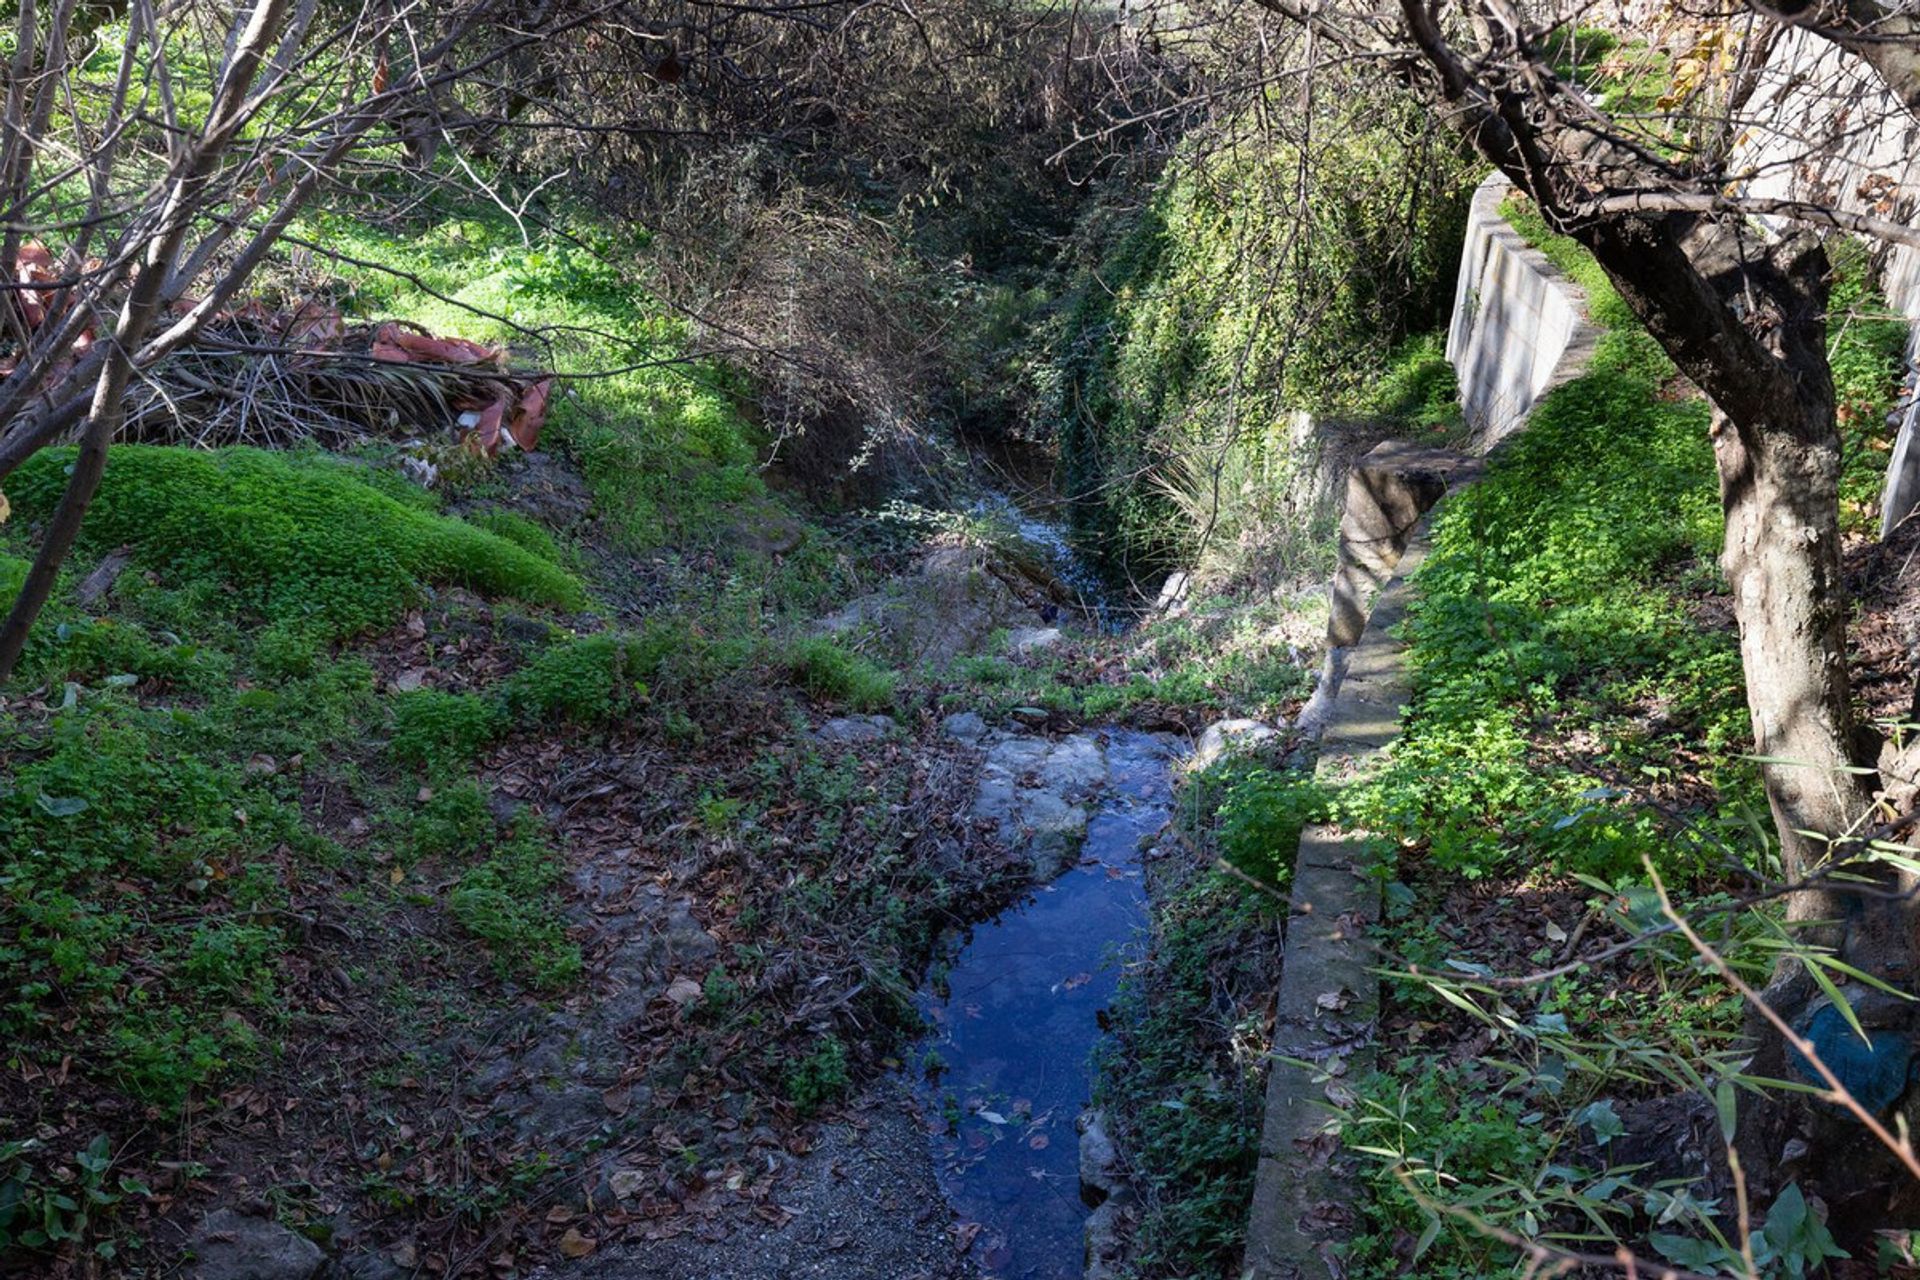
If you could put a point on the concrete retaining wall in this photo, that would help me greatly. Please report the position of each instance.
(1825, 128)
(1519, 325)
(1520, 329)
(1329, 998)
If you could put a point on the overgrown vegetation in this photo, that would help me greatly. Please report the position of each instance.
(1573, 592)
(1198, 327)
(1181, 1083)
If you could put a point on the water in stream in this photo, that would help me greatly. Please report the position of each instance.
(1016, 1024)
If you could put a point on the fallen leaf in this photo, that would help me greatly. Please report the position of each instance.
(530, 415)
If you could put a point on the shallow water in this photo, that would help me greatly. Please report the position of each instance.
(1048, 536)
(1016, 1024)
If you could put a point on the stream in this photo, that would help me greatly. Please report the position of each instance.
(1015, 1011)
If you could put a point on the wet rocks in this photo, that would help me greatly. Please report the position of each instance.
(232, 1246)
(1100, 1171)
(1035, 789)
(1103, 1185)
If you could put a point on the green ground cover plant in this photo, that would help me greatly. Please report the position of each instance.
(1569, 592)
(1180, 1083)
(303, 541)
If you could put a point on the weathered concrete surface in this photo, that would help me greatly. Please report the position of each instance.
(1329, 1000)
(1519, 325)
(1822, 126)
(1388, 491)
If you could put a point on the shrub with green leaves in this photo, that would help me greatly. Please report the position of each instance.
(1182, 350)
(294, 539)
(819, 1079)
(1260, 818)
(455, 821)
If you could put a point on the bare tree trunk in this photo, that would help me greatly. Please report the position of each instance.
(1779, 489)
(108, 409)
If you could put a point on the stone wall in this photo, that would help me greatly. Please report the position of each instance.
(1519, 325)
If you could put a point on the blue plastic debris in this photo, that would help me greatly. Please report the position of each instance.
(1876, 1074)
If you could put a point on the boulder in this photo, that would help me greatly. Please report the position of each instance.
(965, 726)
(948, 608)
(1022, 640)
(232, 1246)
(1229, 737)
(1174, 591)
(845, 730)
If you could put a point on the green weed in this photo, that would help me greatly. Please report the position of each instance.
(826, 670)
(586, 680)
(118, 796)
(439, 730)
(508, 900)
(819, 1079)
